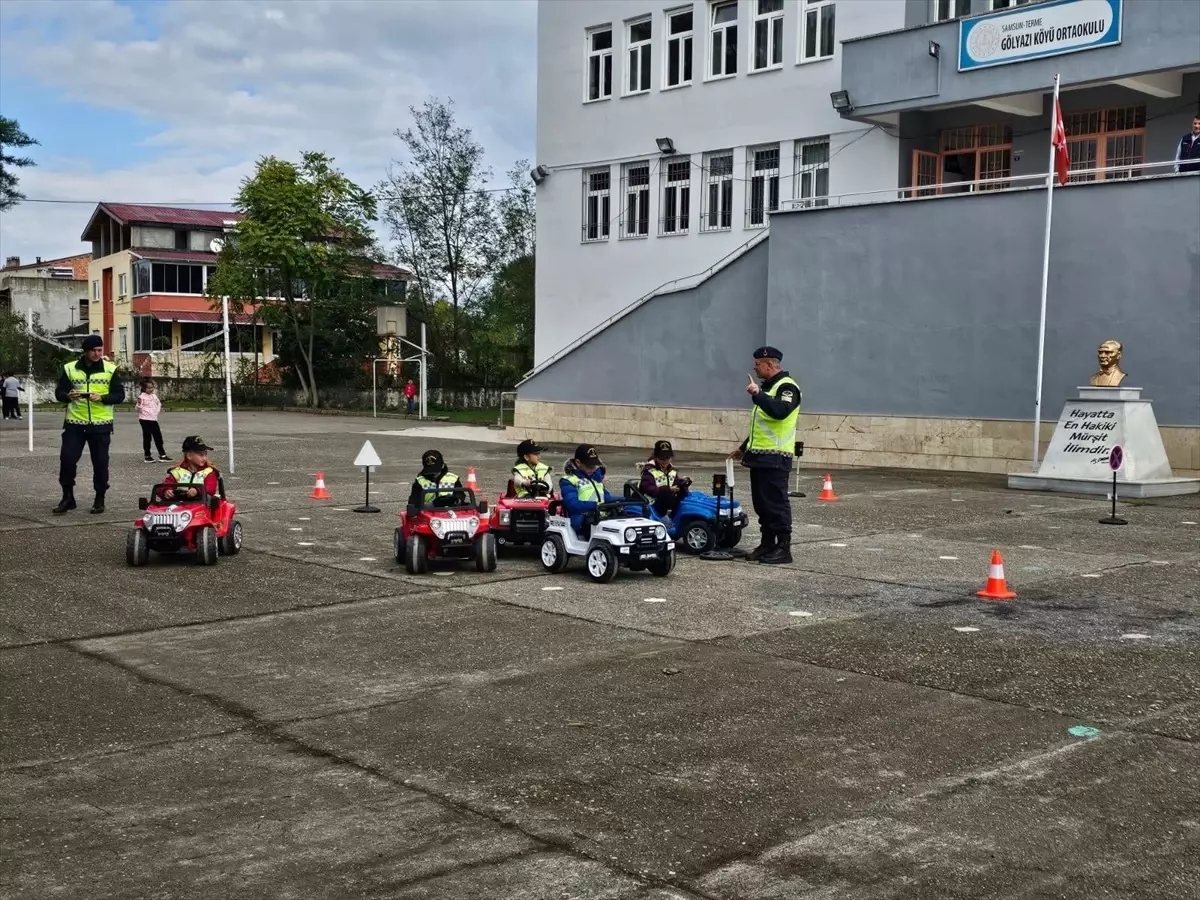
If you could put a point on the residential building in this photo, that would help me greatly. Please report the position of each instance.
(908, 303)
(55, 289)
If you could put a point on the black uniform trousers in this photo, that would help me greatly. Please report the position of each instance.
(769, 494)
(73, 442)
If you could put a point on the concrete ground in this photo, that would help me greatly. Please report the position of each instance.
(305, 720)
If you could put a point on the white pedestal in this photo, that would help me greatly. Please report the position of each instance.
(1090, 426)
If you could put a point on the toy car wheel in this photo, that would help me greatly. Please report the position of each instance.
(733, 537)
(602, 563)
(663, 565)
(416, 558)
(554, 554)
(232, 542)
(485, 552)
(206, 546)
(398, 547)
(137, 548)
(699, 536)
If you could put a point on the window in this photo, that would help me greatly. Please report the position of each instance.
(676, 196)
(768, 33)
(599, 64)
(123, 285)
(96, 290)
(722, 44)
(639, 57)
(635, 187)
(977, 158)
(181, 239)
(124, 338)
(762, 173)
(718, 192)
(190, 332)
(1105, 138)
(597, 211)
(812, 172)
(84, 310)
(679, 48)
(816, 41)
(168, 278)
(150, 334)
(1010, 4)
(945, 10)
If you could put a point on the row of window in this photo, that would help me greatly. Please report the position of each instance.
(810, 182)
(945, 10)
(149, 334)
(723, 50)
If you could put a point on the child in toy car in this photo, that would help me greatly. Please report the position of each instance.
(582, 488)
(529, 473)
(195, 469)
(662, 482)
(433, 475)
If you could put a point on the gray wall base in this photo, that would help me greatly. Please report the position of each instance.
(1128, 490)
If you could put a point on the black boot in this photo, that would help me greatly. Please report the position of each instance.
(782, 551)
(765, 545)
(66, 504)
(98, 506)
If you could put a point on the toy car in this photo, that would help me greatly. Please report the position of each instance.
(173, 522)
(625, 537)
(702, 522)
(521, 520)
(450, 526)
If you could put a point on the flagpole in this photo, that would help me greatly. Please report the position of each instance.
(1037, 405)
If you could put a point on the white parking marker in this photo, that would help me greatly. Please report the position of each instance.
(444, 574)
(837, 545)
(552, 588)
(1030, 547)
(366, 559)
(271, 483)
(1091, 575)
(1134, 636)
(295, 529)
(947, 557)
(873, 549)
(1161, 562)
(1191, 523)
(339, 509)
(304, 544)
(800, 613)
(655, 600)
(964, 628)
(914, 535)
(305, 519)
(956, 500)
(810, 525)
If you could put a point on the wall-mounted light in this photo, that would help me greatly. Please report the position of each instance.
(539, 174)
(935, 49)
(841, 101)
(665, 145)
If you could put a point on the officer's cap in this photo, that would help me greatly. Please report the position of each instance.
(195, 444)
(92, 341)
(431, 461)
(528, 446)
(587, 455)
(768, 353)
(662, 450)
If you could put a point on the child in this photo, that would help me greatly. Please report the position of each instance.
(528, 469)
(148, 408)
(582, 488)
(434, 474)
(195, 468)
(661, 481)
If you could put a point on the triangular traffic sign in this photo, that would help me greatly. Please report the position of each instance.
(367, 456)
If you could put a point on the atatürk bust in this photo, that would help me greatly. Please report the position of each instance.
(1110, 374)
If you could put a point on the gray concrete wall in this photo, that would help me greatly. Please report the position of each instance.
(54, 301)
(687, 348)
(893, 71)
(930, 307)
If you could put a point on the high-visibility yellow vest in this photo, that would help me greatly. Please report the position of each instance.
(769, 435)
(187, 476)
(83, 411)
(588, 491)
(448, 480)
(530, 473)
(663, 479)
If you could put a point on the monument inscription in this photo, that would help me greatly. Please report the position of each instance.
(1090, 432)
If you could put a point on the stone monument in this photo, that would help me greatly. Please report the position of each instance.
(1106, 414)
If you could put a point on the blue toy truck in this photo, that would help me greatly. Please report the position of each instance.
(701, 522)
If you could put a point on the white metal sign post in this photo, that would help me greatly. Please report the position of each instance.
(228, 382)
(367, 459)
(1116, 459)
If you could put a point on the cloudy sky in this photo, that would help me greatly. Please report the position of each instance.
(173, 100)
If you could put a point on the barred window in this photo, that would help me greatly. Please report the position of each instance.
(597, 204)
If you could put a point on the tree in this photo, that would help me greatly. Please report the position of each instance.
(515, 212)
(303, 254)
(442, 217)
(48, 359)
(11, 135)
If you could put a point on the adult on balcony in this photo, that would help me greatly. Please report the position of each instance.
(1187, 154)
(90, 388)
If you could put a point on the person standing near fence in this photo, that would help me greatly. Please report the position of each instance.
(410, 396)
(148, 408)
(12, 389)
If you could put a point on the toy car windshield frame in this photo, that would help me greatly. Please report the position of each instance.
(511, 493)
(470, 503)
(166, 493)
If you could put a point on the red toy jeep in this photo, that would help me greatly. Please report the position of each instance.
(450, 526)
(173, 522)
(521, 520)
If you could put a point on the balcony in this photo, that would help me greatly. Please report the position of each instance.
(1007, 60)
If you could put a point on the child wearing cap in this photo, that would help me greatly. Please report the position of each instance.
(662, 482)
(582, 488)
(195, 468)
(528, 469)
(434, 474)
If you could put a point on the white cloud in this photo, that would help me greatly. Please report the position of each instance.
(232, 81)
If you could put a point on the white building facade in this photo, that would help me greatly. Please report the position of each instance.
(740, 90)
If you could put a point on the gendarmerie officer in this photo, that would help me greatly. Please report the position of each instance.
(90, 388)
(768, 451)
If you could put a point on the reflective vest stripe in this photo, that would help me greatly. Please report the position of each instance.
(774, 435)
(588, 490)
(187, 476)
(529, 473)
(661, 478)
(448, 481)
(83, 411)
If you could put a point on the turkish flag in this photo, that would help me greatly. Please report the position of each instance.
(1062, 159)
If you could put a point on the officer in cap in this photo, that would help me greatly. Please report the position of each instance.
(768, 452)
(90, 388)
(434, 474)
(528, 470)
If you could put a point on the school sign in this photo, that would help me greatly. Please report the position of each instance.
(1038, 30)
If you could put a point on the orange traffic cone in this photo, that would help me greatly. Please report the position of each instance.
(319, 492)
(827, 491)
(471, 482)
(997, 586)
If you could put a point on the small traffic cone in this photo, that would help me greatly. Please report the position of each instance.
(319, 492)
(471, 482)
(997, 586)
(827, 491)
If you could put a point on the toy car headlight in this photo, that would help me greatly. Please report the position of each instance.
(505, 517)
(660, 532)
(725, 512)
(473, 524)
(630, 535)
(437, 526)
(183, 521)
